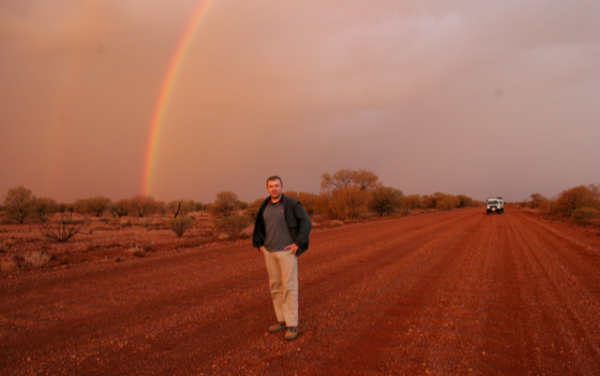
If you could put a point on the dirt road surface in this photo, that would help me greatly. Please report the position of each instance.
(450, 293)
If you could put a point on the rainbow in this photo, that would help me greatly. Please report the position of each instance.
(165, 93)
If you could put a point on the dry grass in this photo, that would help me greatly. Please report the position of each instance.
(136, 251)
(37, 259)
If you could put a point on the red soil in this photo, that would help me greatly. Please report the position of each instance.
(452, 293)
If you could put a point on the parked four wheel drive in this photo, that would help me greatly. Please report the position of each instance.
(494, 205)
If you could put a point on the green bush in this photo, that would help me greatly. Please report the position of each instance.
(179, 225)
(585, 216)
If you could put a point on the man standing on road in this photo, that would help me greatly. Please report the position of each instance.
(281, 234)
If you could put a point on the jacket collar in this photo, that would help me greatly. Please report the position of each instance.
(280, 202)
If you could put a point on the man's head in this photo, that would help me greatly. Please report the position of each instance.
(274, 185)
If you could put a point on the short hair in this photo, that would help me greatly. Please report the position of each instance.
(274, 177)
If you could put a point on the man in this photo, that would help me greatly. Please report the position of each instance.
(281, 234)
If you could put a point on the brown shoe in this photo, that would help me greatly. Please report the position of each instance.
(292, 333)
(277, 327)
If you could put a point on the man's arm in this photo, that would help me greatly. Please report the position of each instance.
(305, 224)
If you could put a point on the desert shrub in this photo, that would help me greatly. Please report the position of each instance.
(429, 202)
(17, 204)
(43, 206)
(585, 216)
(232, 225)
(37, 259)
(322, 207)
(336, 223)
(578, 197)
(386, 200)
(181, 207)
(120, 208)
(225, 204)
(136, 251)
(307, 199)
(252, 209)
(62, 230)
(161, 208)
(66, 208)
(465, 201)
(349, 202)
(446, 202)
(179, 225)
(7, 265)
(142, 205)
(547, 207)
(413, 201)
(93, 205)
(536, 200)
(149, 248)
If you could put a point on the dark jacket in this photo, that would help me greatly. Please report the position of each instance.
(297, 221)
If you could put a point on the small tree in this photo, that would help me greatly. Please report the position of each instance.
(93, 205)
(143, 205)
(179, 225)
(386, 200)
(181, 207)
(365, 179)
(43, 206)
(120, 208)
(233, 225)
(62, 230)
(225, 204)
(17, 203)
(339, 180)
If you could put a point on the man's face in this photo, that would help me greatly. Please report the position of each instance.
(274, 187)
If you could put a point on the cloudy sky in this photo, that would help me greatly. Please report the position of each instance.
(497, 97)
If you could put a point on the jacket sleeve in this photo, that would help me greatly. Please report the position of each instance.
(304, 224)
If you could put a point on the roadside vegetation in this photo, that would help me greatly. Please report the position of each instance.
(579, 205)
(39, 232)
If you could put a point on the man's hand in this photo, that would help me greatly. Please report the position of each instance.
(262, 249)
(293, 247)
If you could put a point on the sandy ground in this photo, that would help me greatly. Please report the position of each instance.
(451, 293)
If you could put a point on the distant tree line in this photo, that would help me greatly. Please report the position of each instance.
(345, 194)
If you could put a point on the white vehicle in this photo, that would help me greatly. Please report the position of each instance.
(494, 205)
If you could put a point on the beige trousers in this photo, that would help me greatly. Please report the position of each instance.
(283, 282)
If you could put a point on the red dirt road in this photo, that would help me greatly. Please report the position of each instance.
(451, 293)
